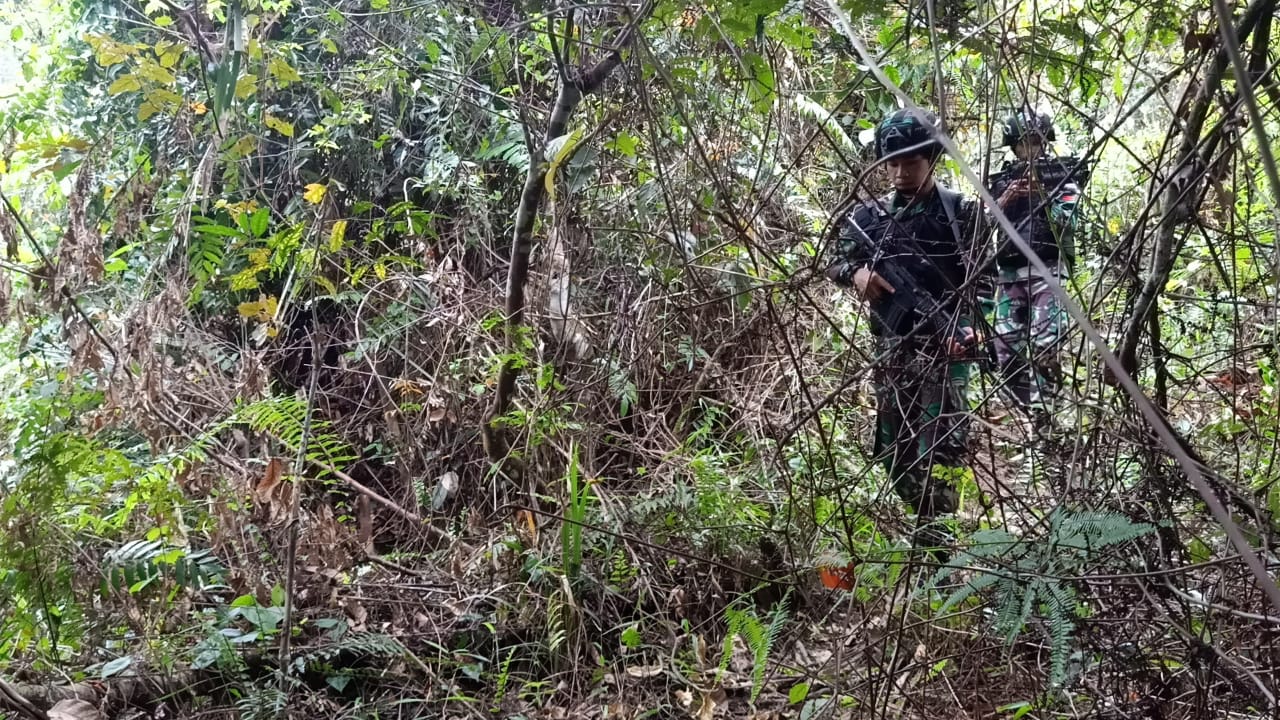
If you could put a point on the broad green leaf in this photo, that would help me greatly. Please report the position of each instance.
(167, 53)
(799, 693)
(147, 109)
(760, 81)
(625, 144)
(258, 221)
(124, 84)
(631, 637)
(164, 98)
(151, 70)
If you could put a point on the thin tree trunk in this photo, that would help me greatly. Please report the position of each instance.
(572, 90)
(1182, 195)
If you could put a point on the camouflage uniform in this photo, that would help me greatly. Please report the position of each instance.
(922, 413)
(1030, 323)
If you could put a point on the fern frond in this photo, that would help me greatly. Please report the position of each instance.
(1058, 605)
(980, 581)
(823, 117)
(138, 563)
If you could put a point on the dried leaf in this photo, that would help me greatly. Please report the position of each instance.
(80, 251)
(270, 479)
(74, 710)
(446, 488)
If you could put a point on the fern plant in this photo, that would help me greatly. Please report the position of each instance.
(1025, 574)
(139, 563)
(283, 418)
(759, 636)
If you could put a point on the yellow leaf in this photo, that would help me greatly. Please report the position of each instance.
(108, 52)
(246, 279)
(163, 97)
(557, 151)
(147, 109)
(152, 71)
(246, 86)
(272, 330)
(282, 71)
(380, 270)
(283, 127)
(337, 235)
(199, 108)
(314, 193)
(124, 84)
(259, 258)
(263, 309)
(324, 282)
(168, 53)
(244, 146)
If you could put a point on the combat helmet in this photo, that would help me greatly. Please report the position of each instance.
(907, 131)
(1021, 124)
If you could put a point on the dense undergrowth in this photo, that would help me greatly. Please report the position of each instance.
(392, 359)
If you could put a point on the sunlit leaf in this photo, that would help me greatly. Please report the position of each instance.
(283, 127)
(314, 193)
(246, 86)
(337, 235)
(124, 84)
(282, 70)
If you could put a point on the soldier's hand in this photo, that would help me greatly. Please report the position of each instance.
(968, 338)
(1018, 188)
(870, 285)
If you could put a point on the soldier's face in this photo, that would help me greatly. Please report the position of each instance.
(909, 174)
(1028, 147)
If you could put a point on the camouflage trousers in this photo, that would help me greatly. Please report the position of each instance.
(922, 422)
(1030, 326)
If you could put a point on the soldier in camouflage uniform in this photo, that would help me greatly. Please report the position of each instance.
(920, 379)
(1030, 323)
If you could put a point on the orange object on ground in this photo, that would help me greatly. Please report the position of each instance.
(837, 578)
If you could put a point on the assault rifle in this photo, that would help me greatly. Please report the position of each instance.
(910, 310)
(1050, 173)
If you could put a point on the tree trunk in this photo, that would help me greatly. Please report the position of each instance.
(1182, 194)
(572, 90)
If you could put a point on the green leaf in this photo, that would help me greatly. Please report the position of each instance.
(339, 682)
(258, 221)
(246, 86)
(760, 81)
(799, 693)
(625, 144)
(631, 637)
(282, 71)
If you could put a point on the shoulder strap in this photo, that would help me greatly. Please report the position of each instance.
(951, 206)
